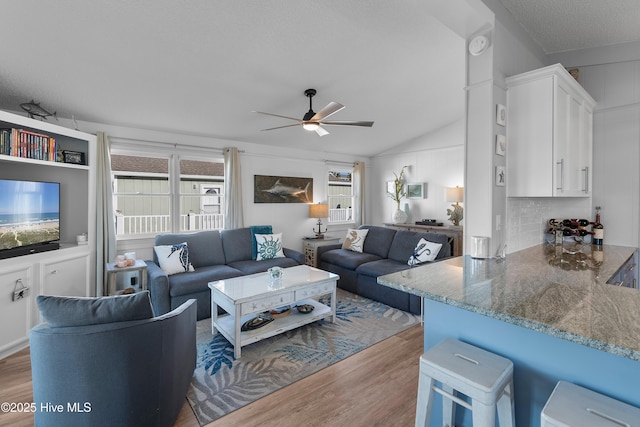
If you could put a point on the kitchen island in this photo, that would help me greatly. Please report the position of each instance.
(547, 308)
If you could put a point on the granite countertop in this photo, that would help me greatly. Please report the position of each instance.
(558, 290)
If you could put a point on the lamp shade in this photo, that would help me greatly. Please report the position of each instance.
(319, 211)
(454, 194)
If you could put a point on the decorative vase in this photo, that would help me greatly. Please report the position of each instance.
(399, 216)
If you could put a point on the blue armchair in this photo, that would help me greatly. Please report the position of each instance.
(124, 373)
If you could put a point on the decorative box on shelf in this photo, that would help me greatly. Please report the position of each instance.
(73, 157)
(310, 248)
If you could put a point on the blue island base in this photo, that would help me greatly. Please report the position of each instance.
(540, 361)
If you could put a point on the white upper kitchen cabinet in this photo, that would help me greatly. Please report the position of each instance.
(549, 135)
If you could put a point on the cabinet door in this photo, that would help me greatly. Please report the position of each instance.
(586, 148)
(66, 277)
(572, 149)
(531, 170)
(15, 316)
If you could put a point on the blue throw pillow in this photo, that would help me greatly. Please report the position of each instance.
(60, 312)
(258, 229)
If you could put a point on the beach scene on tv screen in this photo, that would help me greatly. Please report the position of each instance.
(29, 213)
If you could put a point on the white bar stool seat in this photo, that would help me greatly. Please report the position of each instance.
(573, 406)
(484, 377)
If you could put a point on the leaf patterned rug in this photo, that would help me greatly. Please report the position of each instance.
(221, 384)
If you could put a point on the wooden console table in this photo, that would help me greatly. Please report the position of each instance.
(455, 234)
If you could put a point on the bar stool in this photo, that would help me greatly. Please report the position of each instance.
(484, 377)
(573, 406)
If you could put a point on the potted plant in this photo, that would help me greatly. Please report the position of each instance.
(399, 193)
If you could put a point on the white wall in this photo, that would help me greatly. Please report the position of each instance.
(436, 158)
(289, 218)
(526, 218)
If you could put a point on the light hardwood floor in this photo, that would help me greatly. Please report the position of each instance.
(375, 387)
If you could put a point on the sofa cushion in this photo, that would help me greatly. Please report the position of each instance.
(381, 267)
(378, 240)
(188, 283)
(355, 240)
(205, 247)
(269, 246)
(258, 229)
(347, 259)
(424, 251)
(251, 266)
(405, 242)
(60, 312)
(237, 244)
(174, 258)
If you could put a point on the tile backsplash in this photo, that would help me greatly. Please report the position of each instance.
(527, 217)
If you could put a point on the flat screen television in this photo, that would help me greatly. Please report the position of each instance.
(29, 217)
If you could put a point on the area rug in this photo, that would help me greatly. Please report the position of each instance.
(221, 384)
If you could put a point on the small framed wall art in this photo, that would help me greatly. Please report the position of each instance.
(501, 115)
(501, 176)
(501, 145)
(391, 187)
(416, 190)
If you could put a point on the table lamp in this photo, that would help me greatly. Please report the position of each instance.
(454, 194)
(319, 211)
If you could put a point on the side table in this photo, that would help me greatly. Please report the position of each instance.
(310, 248)
(140, 266)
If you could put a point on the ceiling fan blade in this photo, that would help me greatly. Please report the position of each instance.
(321, 131)
(277, 115)
(331, 108)
(280, 127)
(348, 123)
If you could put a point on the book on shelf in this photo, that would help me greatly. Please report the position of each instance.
(28, 144)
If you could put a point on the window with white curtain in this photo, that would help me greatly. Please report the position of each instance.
(340, 195)
(166, 192)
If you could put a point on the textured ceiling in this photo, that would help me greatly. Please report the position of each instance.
(563, 25)
(200, 67)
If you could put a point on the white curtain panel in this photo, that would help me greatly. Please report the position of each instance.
(234, 214)
(358, 190)
(105, 219)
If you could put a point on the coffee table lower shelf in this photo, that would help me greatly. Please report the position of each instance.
(226, 324)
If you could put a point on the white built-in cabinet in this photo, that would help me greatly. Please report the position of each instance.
(549, 135)
(68, 271)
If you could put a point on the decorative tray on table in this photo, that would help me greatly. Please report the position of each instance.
(279, 312)
(305, 308)
(259, 321)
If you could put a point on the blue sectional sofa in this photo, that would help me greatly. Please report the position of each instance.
(385, 251)
(215, 255)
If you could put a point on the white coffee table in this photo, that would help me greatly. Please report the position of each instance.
(246, 296)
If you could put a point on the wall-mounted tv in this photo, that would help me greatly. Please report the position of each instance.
(29, 217)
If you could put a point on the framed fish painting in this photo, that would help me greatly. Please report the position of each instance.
(282, 189)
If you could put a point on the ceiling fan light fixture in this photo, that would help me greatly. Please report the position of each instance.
(310, 126)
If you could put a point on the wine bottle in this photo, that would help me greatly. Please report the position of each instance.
(598, 229)
(572, 232)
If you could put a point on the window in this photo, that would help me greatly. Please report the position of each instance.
(150, 199)
(201, 195)
(340, 196)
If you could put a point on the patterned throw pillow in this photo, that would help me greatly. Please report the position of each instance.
(424, 251)
(355, 239)
(269, 246)
(257, 229)
(174, 259)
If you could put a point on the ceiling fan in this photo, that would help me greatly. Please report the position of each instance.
(313, 121)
